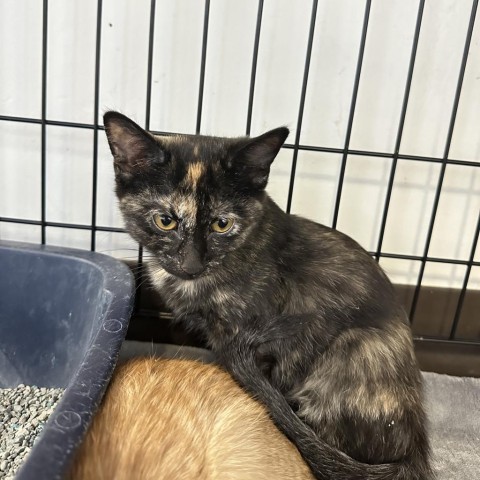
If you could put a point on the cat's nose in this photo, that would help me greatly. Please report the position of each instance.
(192, 262)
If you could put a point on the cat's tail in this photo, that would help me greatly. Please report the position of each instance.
(325, 461)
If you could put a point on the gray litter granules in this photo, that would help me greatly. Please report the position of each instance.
(23, 413)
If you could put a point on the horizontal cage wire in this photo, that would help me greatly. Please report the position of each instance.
(347, 153)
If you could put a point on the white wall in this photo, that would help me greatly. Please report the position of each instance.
(176, 69)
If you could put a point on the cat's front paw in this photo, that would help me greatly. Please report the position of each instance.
(192, 320)
(191, 317)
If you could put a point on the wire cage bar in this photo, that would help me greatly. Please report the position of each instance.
(346, 152)
(448, 143)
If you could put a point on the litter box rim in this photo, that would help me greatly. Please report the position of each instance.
(67, 425)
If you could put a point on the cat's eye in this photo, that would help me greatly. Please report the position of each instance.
(164, 222)
(222, 225)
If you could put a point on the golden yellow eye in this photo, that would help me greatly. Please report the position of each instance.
(222, 225)
(164, 222)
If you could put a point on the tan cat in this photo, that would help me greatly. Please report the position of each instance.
(181, 419)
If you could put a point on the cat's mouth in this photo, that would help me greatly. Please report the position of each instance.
(190, 276)
(182, 274)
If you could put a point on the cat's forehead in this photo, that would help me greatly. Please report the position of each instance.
(192, 187)
(197, 159)
(195, 172)
(195, 149)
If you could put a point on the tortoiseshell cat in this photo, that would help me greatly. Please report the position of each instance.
(298, 313)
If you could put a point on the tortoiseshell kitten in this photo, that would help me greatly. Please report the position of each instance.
(298, 313)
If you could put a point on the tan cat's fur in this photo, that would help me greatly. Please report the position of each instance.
(181, 419)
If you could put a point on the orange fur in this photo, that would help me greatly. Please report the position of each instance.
(180, 419)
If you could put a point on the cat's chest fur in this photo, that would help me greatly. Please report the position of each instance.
(216, 307)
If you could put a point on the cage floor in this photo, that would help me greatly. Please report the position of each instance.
(453, 407)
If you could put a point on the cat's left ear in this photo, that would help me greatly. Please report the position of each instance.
(251, 163)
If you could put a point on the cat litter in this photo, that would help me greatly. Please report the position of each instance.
(24, 411)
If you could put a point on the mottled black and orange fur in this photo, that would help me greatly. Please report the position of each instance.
(299, 314)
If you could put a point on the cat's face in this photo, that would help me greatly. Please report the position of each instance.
(190, 200)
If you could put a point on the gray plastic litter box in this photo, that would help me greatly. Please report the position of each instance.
(63, 316)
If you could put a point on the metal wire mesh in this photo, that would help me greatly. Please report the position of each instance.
(396, 156)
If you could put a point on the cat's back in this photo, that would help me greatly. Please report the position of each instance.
(334, 263)
(180, 419)
(325, 242)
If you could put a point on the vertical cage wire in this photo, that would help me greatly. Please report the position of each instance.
(44, 123)
(401, 124)
(353, 105)
(463, 291)
(151, 37)
(395, 156)
(253, 74)
(301, 108)
(202, 68)
(448, 143)
(96, 106)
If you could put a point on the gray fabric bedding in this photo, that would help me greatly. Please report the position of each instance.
(453, 407)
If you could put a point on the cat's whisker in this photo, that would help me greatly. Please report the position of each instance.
(142, 283)
(138, 266)
(126, 257)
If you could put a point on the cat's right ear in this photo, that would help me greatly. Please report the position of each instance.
(132, 147)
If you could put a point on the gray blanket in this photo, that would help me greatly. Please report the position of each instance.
(453, 407)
